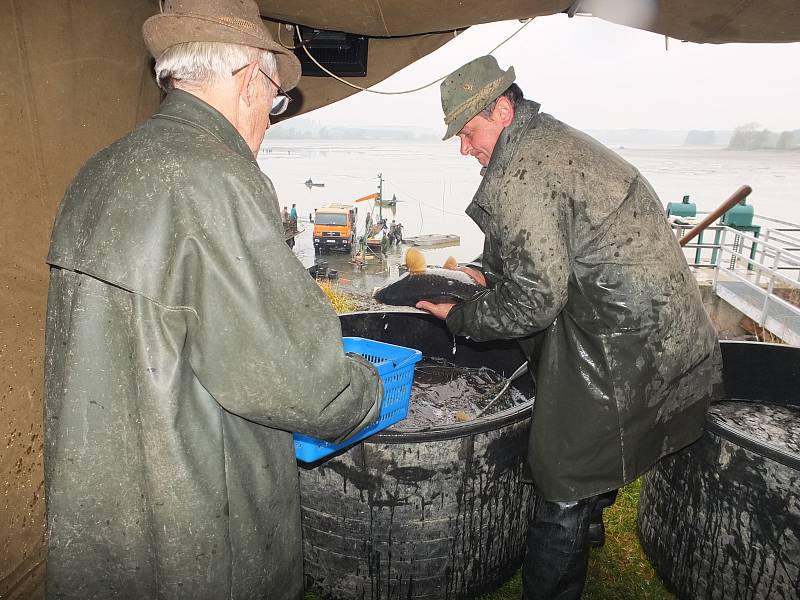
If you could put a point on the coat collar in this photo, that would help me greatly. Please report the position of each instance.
(480, 209)
(187, 108)
(525, 114)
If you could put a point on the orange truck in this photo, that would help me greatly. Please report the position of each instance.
(335, 226)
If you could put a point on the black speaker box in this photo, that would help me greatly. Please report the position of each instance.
(344, 54)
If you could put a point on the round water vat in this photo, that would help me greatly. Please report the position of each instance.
(439, 513)
(721, 519)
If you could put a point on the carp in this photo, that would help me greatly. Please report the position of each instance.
(433, 284)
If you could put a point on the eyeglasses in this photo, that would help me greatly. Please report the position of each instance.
(281, 100)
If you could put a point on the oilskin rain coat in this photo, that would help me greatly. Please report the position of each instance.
(184, 344)
(579, 249)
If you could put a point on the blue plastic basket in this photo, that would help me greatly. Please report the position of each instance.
(395, 365)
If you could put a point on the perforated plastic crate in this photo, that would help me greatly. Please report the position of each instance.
(395, 365)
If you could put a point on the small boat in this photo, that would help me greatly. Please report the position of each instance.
(309, 184)
(440, 240)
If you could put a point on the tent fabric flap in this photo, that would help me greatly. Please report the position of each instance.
(710, 21)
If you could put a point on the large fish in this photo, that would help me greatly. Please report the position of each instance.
(433, 284)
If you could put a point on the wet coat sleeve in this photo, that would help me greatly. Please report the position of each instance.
(527, 268)
(265, 341)
(476, 263)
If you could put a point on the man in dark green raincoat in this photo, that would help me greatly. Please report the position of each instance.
(583, 269)
(177, 322)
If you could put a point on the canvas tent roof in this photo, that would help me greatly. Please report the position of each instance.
(406, 31)
(715, 21)
(76, 75)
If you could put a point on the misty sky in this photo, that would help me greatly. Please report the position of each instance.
(597, 75)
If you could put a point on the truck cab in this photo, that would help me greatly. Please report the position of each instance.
(335, 226)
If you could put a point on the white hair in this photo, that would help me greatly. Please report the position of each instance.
(201, 64)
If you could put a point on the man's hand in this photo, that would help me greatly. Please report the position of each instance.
(437, 310)
(478, 276)
(475, 274)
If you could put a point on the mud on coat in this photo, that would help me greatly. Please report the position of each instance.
(184, 343)
(585, 272)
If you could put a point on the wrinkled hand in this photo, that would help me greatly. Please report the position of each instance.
(437, 310)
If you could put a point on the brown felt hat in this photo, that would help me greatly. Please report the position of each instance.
(226, 21)
(468, 89)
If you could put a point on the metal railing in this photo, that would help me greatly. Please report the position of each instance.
(753, 272)
(756, 271)
(703, 252)
(788, 246)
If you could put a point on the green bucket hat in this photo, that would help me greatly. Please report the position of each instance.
(468, 89)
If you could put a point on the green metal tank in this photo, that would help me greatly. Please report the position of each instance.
(741, 215)
(684, 209)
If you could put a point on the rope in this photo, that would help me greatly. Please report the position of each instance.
(420, 202)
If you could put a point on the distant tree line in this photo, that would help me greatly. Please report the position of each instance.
(751, 136)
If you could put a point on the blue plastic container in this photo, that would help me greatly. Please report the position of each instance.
(395, 366)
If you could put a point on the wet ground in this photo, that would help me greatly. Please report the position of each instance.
(358, 274)
(444, 393)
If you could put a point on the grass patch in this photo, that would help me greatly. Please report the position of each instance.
(620, 570)
(617, 571)
(342, 303)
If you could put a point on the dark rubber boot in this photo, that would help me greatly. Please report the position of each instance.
(597, 530)
(557, 547)
(557, 550)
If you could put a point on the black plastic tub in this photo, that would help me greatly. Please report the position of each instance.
(721, 519)
(439, 513)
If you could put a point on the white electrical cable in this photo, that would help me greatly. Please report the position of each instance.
(390, 93)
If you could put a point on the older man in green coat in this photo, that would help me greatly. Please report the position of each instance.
(185, 342)
(583, 269)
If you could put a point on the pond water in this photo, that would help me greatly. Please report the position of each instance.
(433, 184)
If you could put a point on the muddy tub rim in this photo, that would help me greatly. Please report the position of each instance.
(450, 431)
(764, 382)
